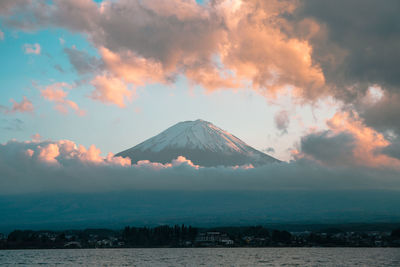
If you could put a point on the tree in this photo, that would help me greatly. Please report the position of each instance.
(396, 233)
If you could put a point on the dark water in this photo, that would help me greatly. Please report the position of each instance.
(204, 257)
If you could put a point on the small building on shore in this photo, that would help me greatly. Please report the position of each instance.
(213, 239)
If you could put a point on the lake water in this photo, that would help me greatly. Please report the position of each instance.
(204, 257)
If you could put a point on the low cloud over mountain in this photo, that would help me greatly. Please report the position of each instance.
(62, 166)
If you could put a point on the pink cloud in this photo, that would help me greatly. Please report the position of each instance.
(152, 165)
(179, 161)
(182, 161)
(217, 45)
(368, 140)
(32, 49)
(365, 146)
(245, 51)
(57, 152)
(24, 106)
(89, 155)
(49, 153)
(111, 90)
(133, 68)
(36, 137)
(244, 167)
(120, 161)
(55, 93)
(29, 152)
(65, 171)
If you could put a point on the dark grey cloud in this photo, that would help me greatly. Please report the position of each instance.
(82, 61)
(59, 68)
(156, 36)
(329, 148)
(355, 43)
(31, 15)
(282, 121)
(12, 124)
(202, 42)
(126, 26)
(7, 6)
(384, 114)
(392, 150)
(269, 150)
(358, 43)
(357, 46)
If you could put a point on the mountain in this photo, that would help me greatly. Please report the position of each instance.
(200, 141)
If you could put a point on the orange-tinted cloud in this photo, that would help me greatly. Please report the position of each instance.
(119, 161)
(29, 152)
(36, 137)
(111, 90)
(236, 44)
(89, 155)
(24, 106)
(259, 51)
(64, 150)
(32, 49)
(179, 161)
(368, 140)
(251, 49)
(218, 45)
(353, 142)
(48, 153)
(132, 68)
(55, 93)
(182, 161)
(264, 45)
(64, 167)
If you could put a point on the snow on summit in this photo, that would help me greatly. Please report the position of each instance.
(194, 134)
(200, 141)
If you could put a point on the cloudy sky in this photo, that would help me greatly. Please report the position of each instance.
(314, 83)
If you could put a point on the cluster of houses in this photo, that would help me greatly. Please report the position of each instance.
(299, 239)
(213, 239)
(350, 238)
(203, 239)
(94, 241)
(210, 238)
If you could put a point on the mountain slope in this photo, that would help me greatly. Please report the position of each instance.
(200, 141)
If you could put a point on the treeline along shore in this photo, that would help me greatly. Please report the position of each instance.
(188, 236)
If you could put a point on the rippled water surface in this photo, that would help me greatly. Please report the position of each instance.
(204, 257)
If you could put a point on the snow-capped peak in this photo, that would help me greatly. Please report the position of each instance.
(200, 141)
(198, 134)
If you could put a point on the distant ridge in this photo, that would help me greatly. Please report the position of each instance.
(200, 141)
